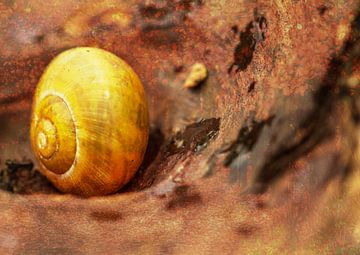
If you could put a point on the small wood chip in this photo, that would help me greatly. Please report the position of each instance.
(353, 81)
(198, 73)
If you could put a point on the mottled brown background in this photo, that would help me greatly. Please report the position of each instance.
(261, 158)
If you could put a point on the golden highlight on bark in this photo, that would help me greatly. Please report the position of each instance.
(90, 122)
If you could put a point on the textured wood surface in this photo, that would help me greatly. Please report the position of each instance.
(261, 158)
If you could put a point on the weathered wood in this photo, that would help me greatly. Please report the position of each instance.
(262, 157)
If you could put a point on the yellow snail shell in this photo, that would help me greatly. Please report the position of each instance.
(89, 126)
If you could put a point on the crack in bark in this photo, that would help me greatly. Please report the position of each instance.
(319, 125)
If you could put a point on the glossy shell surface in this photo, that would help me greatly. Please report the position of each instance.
(90, 123)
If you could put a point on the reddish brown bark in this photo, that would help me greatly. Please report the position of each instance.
(262, 157)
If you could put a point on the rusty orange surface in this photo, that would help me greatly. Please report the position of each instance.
(261, 158)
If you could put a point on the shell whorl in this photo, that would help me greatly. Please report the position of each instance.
(54, 134)
(90, 123)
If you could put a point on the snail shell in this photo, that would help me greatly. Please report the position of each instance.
(89, 127)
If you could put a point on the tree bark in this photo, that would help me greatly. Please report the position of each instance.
(262, 156)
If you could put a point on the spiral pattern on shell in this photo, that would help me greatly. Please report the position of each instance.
(89, 128)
